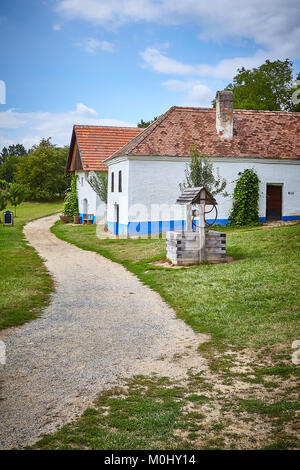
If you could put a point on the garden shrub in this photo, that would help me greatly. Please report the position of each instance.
(71, 202)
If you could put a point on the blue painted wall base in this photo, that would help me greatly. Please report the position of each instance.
(163, 226)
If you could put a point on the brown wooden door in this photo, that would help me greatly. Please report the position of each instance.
(274, 202)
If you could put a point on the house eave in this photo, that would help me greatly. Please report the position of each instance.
(250, 159)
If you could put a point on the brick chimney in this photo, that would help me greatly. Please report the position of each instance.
(224, 115)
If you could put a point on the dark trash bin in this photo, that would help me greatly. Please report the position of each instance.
(8, 218)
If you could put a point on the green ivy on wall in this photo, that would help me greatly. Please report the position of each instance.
(71, 202)
(246, 194)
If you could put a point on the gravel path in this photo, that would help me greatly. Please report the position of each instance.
(102, 325)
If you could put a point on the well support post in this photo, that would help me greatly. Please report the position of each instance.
(189, 218)
(202, 226)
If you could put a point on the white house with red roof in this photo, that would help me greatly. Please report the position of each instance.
(144, 175)
(90, 146)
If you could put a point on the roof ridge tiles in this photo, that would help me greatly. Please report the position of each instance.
(109, 127)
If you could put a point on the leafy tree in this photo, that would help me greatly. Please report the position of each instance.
(246, 194)
(4, 185)
(3, 199)
(8, 168)
(296, 95)
(63, 180)
(71, 201)
(143, 123)
(16, 195)
(3, 195)
(17, 150)
(42, 173)
(268, 87)
(98, 182)
(199, 173)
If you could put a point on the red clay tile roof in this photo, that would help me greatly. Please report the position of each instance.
(96, 143)
(256, 134)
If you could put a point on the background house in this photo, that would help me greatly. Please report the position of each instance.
(144, 175)
(90, 146)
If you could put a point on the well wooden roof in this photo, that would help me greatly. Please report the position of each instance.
(192, 196)
(94, 144)
(256, 134)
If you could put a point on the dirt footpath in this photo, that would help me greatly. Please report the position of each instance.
(102, 325)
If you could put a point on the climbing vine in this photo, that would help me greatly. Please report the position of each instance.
(71, 203)
(98, 182)
(246, 194)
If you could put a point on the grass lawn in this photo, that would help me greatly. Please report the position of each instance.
(25, 285)
(249, 396)
(249, 304)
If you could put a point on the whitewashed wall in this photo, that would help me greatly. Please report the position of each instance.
(154, 189)
(116, 197)
(84, 190)
(153, 181)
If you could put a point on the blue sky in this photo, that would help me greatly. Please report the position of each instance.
(113, 62)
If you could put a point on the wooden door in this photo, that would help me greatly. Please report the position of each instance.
(274, 202)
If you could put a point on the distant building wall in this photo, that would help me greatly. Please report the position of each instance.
(85, 192)
(116, 198)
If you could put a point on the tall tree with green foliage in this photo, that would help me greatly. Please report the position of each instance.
(144, 124)
(17, 150)
(268, 87)
(43, 172)
(3, 199)
(98, 182)
(246, 195)
(8, 169)
(16, 195)
(199, 173)
(3, 195)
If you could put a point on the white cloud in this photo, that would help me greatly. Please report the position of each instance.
(56, 27)
(271, 24)
(195, 93)
(113, 12)
(92, 45)
(29, 128)
(225, 69)
(5, 142)
(159, 62)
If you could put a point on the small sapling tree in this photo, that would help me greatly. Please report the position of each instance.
(16, 195)
(199, 173)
